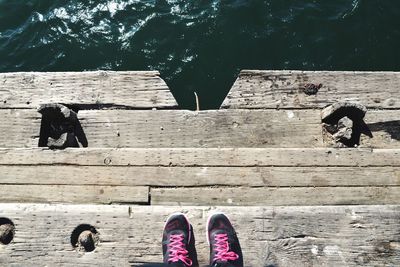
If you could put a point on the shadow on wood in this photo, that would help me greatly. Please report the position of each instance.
(391, 127)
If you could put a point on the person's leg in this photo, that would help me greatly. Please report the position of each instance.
(225, 249)
(178, 242)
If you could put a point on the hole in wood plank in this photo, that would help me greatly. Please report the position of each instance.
(343, 124)
(85, 238)
(60, 127)
(7, 231)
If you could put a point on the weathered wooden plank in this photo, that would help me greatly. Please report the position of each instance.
(222, 128)
(258, 89)
(218, 128)
(176, 128)
(241, 157)
(301, 238)
(19, 128)
(270, 236)
(73, 194)
(276, 196)
(202, 129)
(200, 176)
(124, 89)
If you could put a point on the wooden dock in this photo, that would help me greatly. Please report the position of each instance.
(306, 164)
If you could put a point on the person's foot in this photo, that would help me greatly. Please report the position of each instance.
(225, 249)
(178, 242)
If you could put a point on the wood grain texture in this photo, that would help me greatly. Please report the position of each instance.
(79, 194)
(19, 128)
(175, 128)
(221, 128)
(257, 89)
(278, 196)
(230, 157)
(199, 176)
(125, 89)
(269, 236)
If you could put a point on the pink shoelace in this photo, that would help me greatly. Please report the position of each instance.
(177, 250)
(222, 249)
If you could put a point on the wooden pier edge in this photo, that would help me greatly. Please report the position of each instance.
(86, 90)
(295, 194)
(288, 89)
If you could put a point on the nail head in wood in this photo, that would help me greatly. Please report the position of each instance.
(86, 241)
(7, 231)
(107, 161)
(85, 238)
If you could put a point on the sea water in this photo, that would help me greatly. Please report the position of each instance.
(199, 45)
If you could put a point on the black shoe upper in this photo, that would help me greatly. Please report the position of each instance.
(225, 248)
(178, 230)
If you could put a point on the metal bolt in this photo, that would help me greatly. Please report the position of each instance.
(86, 241)
(7, 230)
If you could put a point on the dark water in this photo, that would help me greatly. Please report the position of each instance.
(199, 45)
